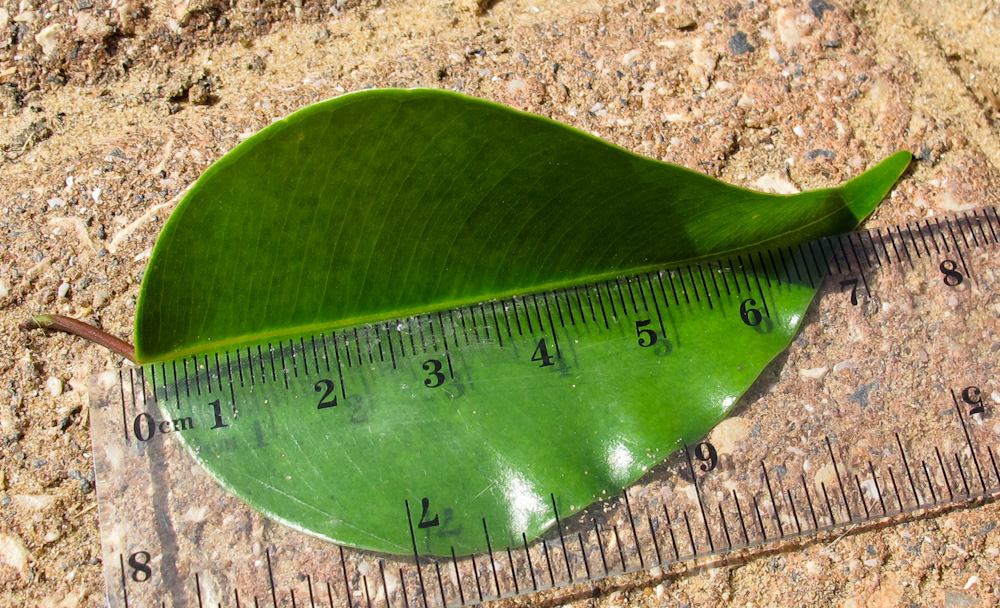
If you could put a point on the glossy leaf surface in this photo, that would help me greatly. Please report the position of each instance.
(301, 261)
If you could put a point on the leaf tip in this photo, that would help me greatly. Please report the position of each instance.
(864, 193)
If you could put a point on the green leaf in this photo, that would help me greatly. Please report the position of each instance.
(390, 202)
(376, 210)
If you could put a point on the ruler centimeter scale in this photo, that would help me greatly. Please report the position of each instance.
(172, 537)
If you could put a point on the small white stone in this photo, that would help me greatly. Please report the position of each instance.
(787, 30)
(945, 198)
(14, 553)
(34, 502)
(4, 24)
(49, 38)
(90, 27)
(514, 85)
(826, 475)
(54, 386)
(815, 373)
(846, 364)
(63, 290)
(728, 434)
(870, 489)
(776, 182)
(195, 514)
(798, 130)
(703, 63)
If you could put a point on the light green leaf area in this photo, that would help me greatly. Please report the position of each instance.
(480, 290)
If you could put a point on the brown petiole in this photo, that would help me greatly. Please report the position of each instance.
(84, 330)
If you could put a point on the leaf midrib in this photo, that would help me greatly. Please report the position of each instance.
(458, 303)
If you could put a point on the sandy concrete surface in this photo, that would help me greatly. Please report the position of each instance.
(111, 108)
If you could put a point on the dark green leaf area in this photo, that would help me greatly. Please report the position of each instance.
(386, 203)
(495, 428)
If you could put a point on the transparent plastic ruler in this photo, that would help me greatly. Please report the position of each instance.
(882, 410)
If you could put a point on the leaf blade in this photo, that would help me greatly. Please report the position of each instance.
(433, 248)
(384, 204)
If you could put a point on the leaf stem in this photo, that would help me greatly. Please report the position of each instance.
(84, 330)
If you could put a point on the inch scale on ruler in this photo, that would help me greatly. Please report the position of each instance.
(172, 537)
